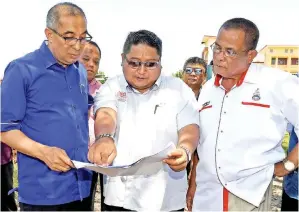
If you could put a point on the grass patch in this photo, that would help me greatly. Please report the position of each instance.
(285, 142)
(15, 180)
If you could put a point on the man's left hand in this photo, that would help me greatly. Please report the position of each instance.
(279, 170)
(177, 160)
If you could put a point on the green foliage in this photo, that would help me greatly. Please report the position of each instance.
(101, 77)
(178, 74)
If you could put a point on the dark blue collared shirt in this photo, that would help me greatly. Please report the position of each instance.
(291, 180)
(49, 104)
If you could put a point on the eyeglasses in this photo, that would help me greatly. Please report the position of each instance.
(136, 64)
(197, 71)
(228, 52)
(73, 41)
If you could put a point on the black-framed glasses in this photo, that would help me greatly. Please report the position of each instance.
(228, 52)
(72, 40)
(197, 71)
(136, 64)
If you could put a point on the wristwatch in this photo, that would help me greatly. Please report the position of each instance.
(103, 136)
(187, 152)
(288, 165)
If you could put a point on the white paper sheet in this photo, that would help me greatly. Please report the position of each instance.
(145, 166)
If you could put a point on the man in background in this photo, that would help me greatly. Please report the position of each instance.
(90, 58)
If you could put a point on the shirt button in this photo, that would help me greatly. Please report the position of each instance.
(123, 179)
(224, 112)
(77, 126)
(226, 96)
(218, 150)
(70, 87)
(221, 131)
(219, 167)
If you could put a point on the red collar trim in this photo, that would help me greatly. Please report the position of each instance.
(240, 82)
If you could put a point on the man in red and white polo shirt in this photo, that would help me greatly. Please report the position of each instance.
(243, 118)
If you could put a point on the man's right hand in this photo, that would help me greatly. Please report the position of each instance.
(56, 159)
(102, 152)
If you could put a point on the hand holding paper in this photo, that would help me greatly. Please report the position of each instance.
(102, 152)
(145, 166)
(177, 160)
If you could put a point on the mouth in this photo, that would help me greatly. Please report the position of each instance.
(218, 66)
(140, 78)
(192, 79)
(74, 56)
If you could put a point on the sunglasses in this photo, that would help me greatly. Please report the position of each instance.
(197, 71)
(135, 64)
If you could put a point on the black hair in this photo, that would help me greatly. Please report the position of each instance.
(143, 37)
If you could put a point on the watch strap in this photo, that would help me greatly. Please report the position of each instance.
(103, 136)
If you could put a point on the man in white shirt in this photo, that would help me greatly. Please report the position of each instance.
(137, 114)
(243, 118)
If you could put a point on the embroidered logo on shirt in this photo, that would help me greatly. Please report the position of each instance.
(206, 104)
(256, 95)
(121, 96)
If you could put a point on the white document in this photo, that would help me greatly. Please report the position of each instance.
(145, 166)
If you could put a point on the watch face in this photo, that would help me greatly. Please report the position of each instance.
(289, 166)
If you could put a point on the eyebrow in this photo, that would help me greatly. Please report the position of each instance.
(147, 60)
(70, 32)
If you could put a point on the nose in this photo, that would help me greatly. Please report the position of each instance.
(77, 45)
(219, 56)
(90, 64)
(141, 69)
(193, 72)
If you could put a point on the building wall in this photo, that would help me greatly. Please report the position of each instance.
(282, 57)
(207, 54)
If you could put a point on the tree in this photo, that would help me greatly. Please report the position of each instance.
(178, 74)
(101, 77)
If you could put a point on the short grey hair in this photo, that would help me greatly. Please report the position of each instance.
(55, 12)
(252, 33)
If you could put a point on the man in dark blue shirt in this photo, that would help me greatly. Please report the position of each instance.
(44, 115)
(290, 182)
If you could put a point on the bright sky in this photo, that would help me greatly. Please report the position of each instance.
(181, 24)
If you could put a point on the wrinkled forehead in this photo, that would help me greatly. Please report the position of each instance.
(72, 23)
(91, 50)
(231, 38)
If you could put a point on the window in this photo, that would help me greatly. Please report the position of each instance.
(294, 61)
(271, 50)
(273, 60)
(291, 50)
(282, 61)
(286, 50)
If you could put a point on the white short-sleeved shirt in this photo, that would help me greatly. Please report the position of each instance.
(146, 123)
(241, 133)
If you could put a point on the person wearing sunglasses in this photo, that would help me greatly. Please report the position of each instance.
(45, 109)
(194, 74)
(137, 114)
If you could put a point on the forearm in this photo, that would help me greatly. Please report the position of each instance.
(105, 122)
(20, 142)
(293, 156)
(189, 137)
